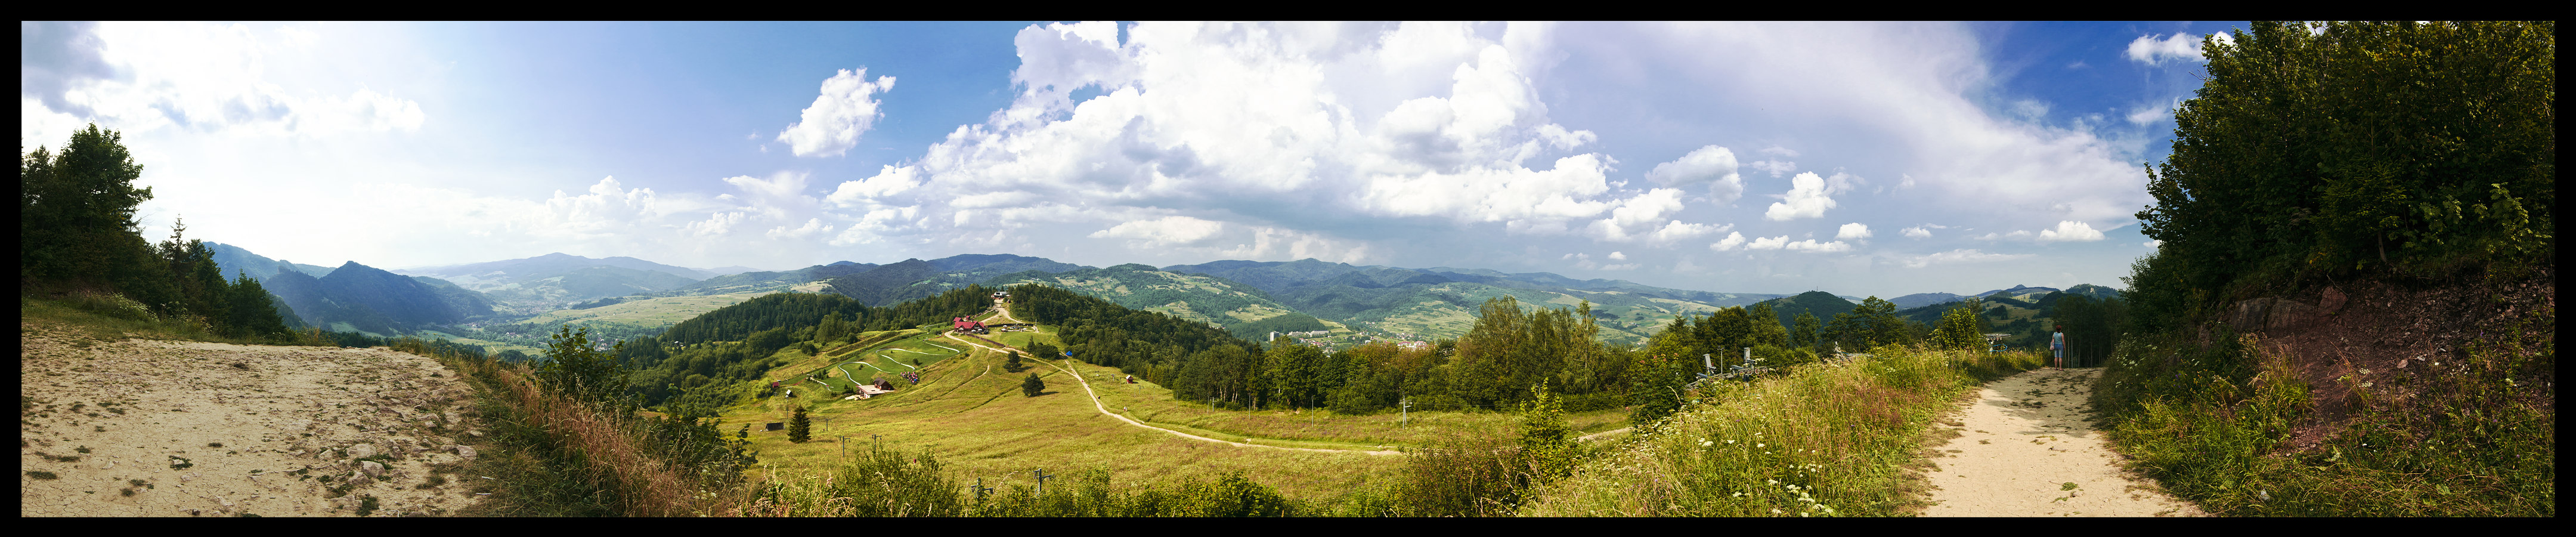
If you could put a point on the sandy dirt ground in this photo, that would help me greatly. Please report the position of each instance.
(163, 428)
(2028, 448)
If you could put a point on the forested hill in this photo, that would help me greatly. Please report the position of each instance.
(1240, 309)
(1441, 303)
(737, 343)
(359, 298)
(236, 261)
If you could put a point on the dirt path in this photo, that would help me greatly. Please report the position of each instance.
(2024, 440)
(1104, 410)
(162, 428)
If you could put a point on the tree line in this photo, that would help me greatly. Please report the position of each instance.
(77, 236)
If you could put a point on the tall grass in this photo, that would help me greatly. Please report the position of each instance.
(2214, 423)
(113, 317)
(1825, 439)
(887, 483)
(562, 457)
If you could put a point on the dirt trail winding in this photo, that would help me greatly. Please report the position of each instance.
(2023, 441)
(1104, 410)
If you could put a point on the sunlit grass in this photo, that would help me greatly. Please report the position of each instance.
(974, 418)
(1822, 440)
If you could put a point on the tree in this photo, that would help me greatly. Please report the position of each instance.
(574, 369)
(1806, 335)
(1547, 443)
(1032, 386)
(1013, 363)
(800, 428)
(249, 311)
(1961, 328)
(2335, 148)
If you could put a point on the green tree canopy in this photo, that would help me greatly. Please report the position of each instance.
(2331, 148)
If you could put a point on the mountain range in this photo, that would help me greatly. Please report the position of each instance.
(1249, 298)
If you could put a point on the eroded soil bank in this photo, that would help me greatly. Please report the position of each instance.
(163, 428)
(2027, 447)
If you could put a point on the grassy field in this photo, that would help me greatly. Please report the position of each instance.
(972, 414)
(1824, 439)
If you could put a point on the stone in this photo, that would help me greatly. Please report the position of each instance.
(372, 468)
(466, 452)
(362, 451)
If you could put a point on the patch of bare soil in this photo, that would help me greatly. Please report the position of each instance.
(2393, 338)
(163, 428)
(2027, 447)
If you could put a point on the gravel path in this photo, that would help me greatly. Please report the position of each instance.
(165, 428)
(2024, 442)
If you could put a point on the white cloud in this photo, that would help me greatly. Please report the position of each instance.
(812, 227)
(1782, 151)
(1806, 199)
(1713, 165)
(2070, 230)
(1732, 241)
(1616, 256)
(886, 183)
(832, 125)
(1854, 230)
(1775, 166)
(1810, 245)
(1965, 255)
(1917, 232)
(2149, 50)
(2150, 113)
(2152, 243)
(139, 77)
(1162, 232)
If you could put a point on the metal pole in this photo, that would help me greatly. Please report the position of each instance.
(1042, 477)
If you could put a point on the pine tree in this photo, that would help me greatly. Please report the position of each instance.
(800, 429)
(1013, 365)
(1032, 386)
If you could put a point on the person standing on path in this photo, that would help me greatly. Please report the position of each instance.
(2057, 343)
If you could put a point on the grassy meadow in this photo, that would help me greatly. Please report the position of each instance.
(1828, 439)
(971, 414)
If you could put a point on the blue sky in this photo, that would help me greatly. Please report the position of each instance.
(1863, 159)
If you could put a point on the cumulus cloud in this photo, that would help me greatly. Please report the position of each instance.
(2150, 50)
(1732, 241)
(1807, 198)
(1783, 243)
(2070, 230)
(832, 125)
(1854, 230)
(1162, 232)
(1642, 218)
(1964, 255)
(1712, 165)
(1917, 232)
(1330, 127)
(144, 76)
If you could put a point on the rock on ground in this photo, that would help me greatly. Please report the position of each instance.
(165, 428)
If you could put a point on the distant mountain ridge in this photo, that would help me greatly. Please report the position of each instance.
(234, 260)
(360, 298)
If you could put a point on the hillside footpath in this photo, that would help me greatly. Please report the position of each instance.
(2027, 447)
(165, 428)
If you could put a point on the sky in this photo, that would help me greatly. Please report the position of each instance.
(1857, 158)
